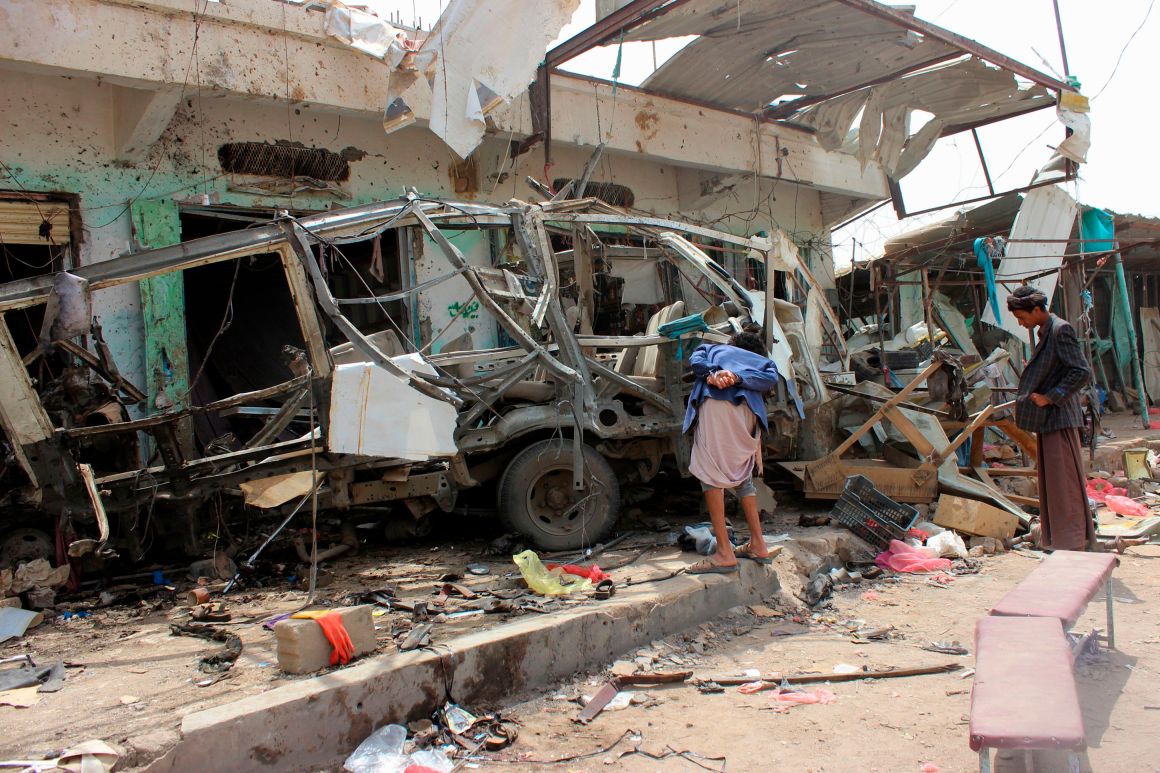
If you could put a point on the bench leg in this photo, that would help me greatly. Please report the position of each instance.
(1111, 619)
(1072, 762)
(984, 760)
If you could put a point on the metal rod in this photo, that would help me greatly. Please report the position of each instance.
(983, 160)
(273, 535)
(1062, 46)
(911, 22)
(609, 27)
(1137, 372)
(1040, 184)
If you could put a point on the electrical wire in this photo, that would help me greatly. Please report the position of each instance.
(198, 17)
(227, 321)
(1124, 50)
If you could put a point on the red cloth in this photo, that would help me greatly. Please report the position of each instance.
(336, 633)
(593, 573)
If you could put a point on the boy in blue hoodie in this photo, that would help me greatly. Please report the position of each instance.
(726, 411)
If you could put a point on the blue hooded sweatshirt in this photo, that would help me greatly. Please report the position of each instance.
(758, 375)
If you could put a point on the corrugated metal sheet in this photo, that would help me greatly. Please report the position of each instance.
(842, 62)
(1047, 213)
(777, 49)
(22, 222)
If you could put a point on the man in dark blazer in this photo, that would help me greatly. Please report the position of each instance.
(1048, 405)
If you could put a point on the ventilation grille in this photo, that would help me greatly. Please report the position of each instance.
(282, 160)
(609, 193)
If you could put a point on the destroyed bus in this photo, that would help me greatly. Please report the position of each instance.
(596, 311)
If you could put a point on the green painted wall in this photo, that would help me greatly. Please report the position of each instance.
(156, 224)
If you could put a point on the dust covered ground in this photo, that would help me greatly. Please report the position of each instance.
(132, 682)
(884, 725)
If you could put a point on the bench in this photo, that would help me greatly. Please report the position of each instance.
(1061, 588)
(1024, 695)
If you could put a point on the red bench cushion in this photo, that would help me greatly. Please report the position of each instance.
(1024, 695)
(1060, 587)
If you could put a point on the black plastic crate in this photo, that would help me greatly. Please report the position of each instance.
(861, 520)
(863, 490)
(903, 358)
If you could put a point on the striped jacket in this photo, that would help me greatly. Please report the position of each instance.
(1057, 369)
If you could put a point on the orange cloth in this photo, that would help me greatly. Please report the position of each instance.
(342, 649)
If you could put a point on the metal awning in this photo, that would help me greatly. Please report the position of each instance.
(823, 64)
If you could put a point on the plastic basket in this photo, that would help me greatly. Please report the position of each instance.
(861, 520)
(862, 489)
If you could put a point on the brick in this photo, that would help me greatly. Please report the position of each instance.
(303, 649)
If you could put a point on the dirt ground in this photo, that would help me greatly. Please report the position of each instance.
(130, 681)
(875, 725)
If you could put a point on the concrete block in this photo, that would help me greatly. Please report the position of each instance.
(304, 649)
(313, 724)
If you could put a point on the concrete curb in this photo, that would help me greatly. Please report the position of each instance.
(315, 723)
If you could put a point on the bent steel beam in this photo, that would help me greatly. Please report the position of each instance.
(296, 235)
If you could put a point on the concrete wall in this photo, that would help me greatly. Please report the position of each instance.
(59, 135)
(107, 99)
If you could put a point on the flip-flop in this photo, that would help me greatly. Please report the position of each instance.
(745, 551)
(705, 566)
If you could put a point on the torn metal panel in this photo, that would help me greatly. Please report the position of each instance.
(822, 64)
(415, 427)
(955, 94)
(381, 410)
(366, 32)
(478, 56)
(1047, 213)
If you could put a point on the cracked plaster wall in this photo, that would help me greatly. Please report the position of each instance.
(58, 135)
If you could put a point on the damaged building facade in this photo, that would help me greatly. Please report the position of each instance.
(158, 141)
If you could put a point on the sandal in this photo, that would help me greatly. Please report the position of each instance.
(705, 566)
(746, 551)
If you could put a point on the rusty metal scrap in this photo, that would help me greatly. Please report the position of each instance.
(572, 385)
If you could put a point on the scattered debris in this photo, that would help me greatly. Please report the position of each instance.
(217, 662)
(598, 702)
(14, 622)
(946, 648)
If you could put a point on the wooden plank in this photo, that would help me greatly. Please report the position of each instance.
(913, 485)
(1004, 472)
(257, 395)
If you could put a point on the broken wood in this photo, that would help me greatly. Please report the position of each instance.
(660, 677)
(774, 680)
(598, 702)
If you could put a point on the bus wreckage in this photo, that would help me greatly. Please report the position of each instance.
(558, 420)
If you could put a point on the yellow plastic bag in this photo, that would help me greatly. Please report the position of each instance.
(548, 583)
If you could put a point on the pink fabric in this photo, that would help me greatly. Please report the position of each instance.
(905, 558)
(1098, 489)
(1126, 506)
(792, 696)
(726, 444)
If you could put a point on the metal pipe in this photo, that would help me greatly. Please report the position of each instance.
(1062, 46)
(1137, 372)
